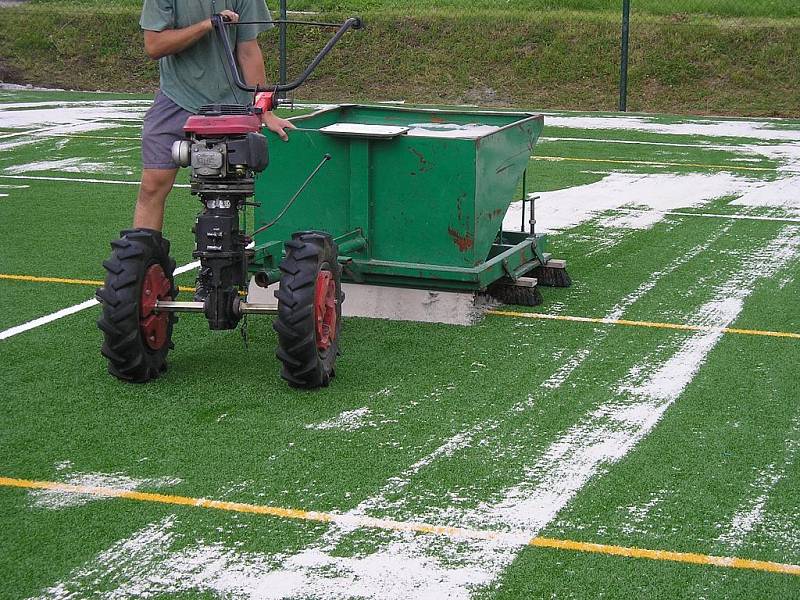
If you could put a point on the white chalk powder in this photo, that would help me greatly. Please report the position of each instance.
(755, 129)
(56, 500)
(349, 420)
(451, 130)
(69, 165)
(654, 195)
(752, 510)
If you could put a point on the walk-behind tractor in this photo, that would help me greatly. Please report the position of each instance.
(388, 196)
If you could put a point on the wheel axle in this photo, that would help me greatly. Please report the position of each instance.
(243, 308)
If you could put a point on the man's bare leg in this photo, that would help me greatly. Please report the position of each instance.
(156, 185)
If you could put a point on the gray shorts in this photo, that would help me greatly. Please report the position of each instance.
(163, 124)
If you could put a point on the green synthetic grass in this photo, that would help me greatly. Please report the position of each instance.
(547, 58)
(223, 422)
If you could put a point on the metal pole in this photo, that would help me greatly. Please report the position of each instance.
(623, 68)
(282, 47)
(524, 196)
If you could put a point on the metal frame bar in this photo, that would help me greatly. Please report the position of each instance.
(510, 261)
(219, 27)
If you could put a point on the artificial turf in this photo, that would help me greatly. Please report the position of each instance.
(223, 423)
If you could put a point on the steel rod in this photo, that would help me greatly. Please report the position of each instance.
(245, 308)
(325, 159)
(284, 22)
(174, 306)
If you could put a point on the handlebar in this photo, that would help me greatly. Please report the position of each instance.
(220, 23)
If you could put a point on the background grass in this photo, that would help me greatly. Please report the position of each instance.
(478, 53)
(726, 8)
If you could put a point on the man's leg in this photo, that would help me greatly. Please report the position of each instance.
(163, 125)
(153, 191)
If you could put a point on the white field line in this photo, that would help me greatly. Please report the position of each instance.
(724, 128)
(64, 312)
(73, 104)
(726, 148)
(699, 145)
(619, 309)
(81, 180)
(70, 310)
(22, 132)
(93, 137)
(716, 215)
(42, 132)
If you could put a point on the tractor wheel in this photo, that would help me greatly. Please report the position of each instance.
(309, 310)
(138, 274)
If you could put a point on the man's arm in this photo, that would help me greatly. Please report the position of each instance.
(251, 62)
(158, 44)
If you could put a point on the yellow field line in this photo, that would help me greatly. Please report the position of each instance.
(530, 315)
(498, 313)
(413, 526)
(652, 163)
(34, 279)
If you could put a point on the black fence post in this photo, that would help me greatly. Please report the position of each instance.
(282, 46)
(623, 66)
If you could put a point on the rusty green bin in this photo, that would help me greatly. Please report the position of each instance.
(413, 197)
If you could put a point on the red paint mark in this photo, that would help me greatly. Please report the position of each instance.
(437, 120)
(464, 242)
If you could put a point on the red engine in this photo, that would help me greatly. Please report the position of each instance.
(224, 142)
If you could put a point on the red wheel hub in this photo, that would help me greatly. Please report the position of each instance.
(325, 309)
(154, 325)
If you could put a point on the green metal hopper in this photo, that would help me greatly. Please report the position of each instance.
(414, 197)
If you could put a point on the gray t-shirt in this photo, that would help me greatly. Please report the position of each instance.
(199, 75)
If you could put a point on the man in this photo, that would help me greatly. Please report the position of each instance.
(179, 34)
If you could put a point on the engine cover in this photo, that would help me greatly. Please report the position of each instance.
(221, 125)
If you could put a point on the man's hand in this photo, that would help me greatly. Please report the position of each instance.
(229, 15)
(277, 125)
(158, 44)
